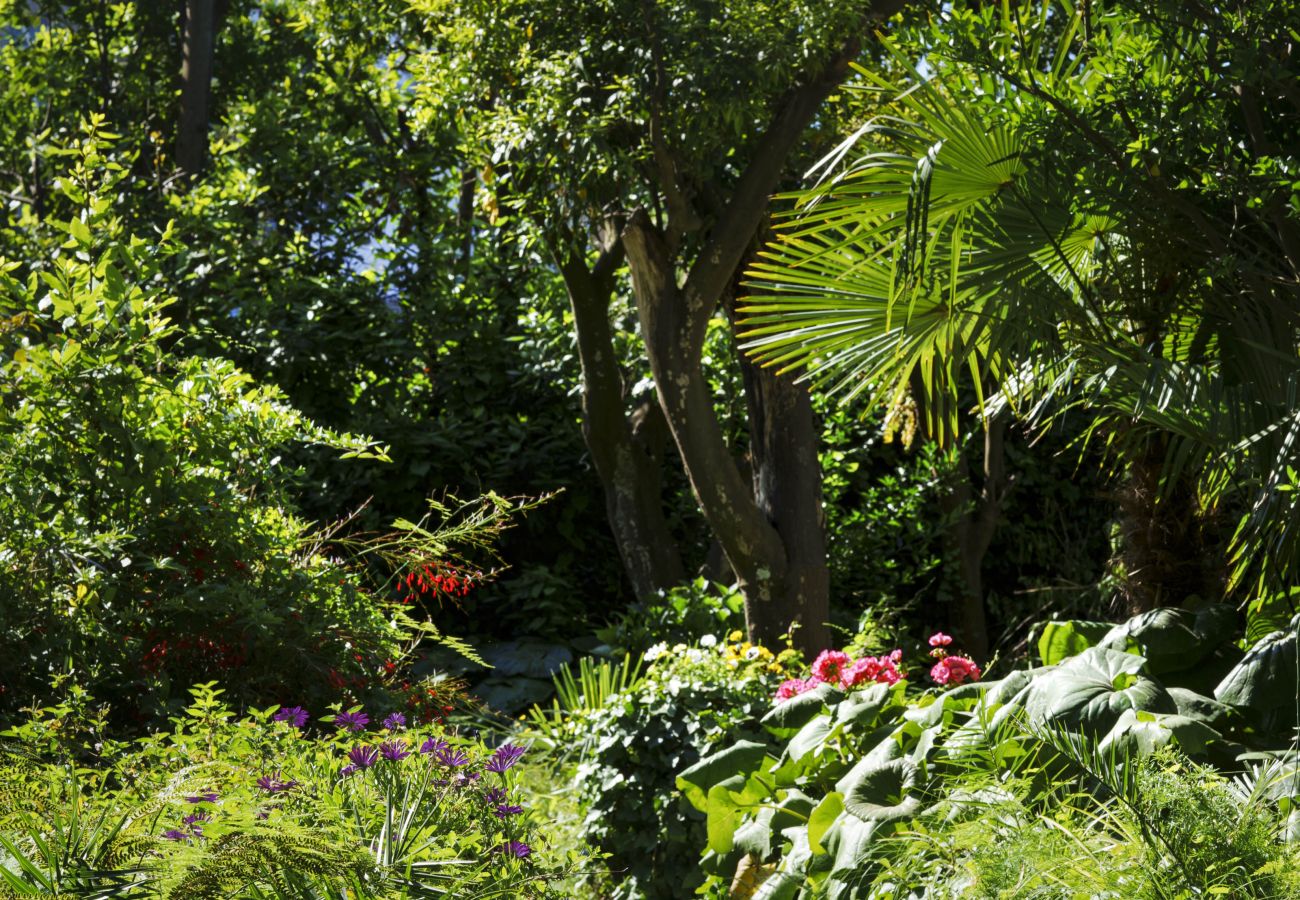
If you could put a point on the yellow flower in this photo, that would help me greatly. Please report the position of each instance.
(735, 636)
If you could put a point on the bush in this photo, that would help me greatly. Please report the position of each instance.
(149, 539)
(693, 699)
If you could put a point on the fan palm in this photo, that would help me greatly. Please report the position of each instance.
(1001, 231)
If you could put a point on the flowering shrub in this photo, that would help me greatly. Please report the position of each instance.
(221, 806)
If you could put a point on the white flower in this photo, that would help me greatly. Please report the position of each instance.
(695, 655)
(752, 653)
(658, 650)
(708, 641)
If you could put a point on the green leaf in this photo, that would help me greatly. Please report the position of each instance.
(1264, 681)
(1090, 691)
(742, 758)
(787, 717)
(821, 819)
(1061, 640)
(882, 794)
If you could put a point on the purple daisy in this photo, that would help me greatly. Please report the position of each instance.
(273, 785)
(517, 849)
(195, 818)
(208, 797)
(450, 758)
(394, 751)
(294, 715)
(174, 835)
(505, 810)
(433, 745)
(352, 721)
(347, 770)
(363, 757)
(496, 795)
(395, 722)
(504, 758)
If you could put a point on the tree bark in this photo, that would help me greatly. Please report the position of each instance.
(627, 453)
(196, 85)
(974, 521)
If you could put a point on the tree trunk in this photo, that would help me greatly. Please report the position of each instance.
(627, 454)
(1165, 555)
(196, 84)
(788, 489)
(974, 521)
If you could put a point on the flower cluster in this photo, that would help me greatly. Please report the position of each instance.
(717, 658)
(434, 580)
(840, 669)
(950, 669)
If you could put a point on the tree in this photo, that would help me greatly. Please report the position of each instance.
(1083, 209)
(655, 133)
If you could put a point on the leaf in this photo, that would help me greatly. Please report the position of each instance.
(1061, 640)
(1265, 680)
(1141, 733)
(881, 794)
(810, 740)
(863, 707)
(723, 817)
(787, 717)
(1090, 691)
(741, 758)
(1173, 639)
(821, 819)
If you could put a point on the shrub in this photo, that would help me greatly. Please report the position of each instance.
(691, 700)
(149, 538)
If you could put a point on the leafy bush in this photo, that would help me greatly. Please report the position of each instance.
(150, 539)
(691, 700)
(271, 806)
(683, 614)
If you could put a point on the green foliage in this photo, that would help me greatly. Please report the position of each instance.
(254, 808)
(683, 614)
(874, 792)
(691, 700)
(152, 533)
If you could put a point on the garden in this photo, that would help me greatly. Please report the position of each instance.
(650, 449)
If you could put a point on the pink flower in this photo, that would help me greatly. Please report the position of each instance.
(794, 687)
(863, 670)
(829, 666)
(939, 639)
(954, 670)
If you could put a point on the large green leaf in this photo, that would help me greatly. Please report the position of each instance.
(787, 717)
(1264, 682)
(883, 794)
(1090, 691)
(1061, 640)
(1173, 639)
(741, 758)
(1139, 733)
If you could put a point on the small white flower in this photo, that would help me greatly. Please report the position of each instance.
(752, 653)
(655, 652)
(695, 655)
(708, 641)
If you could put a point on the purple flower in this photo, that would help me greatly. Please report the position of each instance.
(395, 722)
(273, 785)
(505, 810)
(517, 849)
(363, 757)
(394, 751)
(174, 835)
(450, 758)
(195, 818)
(433, 745)
(347, 770)
(352, 721)
(504, 758)
(294, 715)
(209, 797)
(496, 795)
